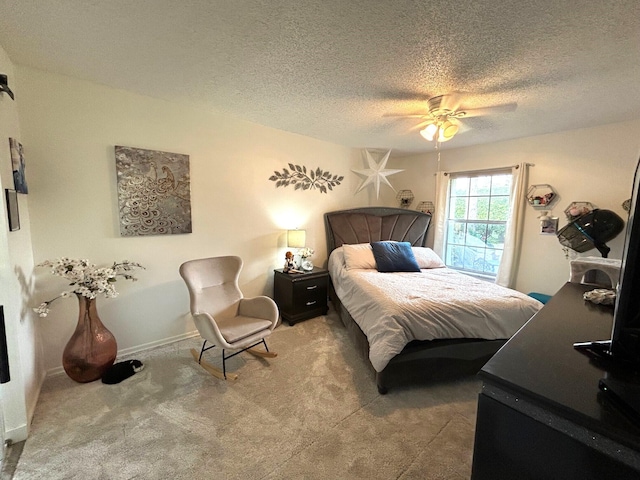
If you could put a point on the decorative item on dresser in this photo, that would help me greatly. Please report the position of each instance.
(301, 296)
(92, 348)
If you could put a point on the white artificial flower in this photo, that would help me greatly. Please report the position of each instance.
(306, 252)
(87, 280)
(42, 310)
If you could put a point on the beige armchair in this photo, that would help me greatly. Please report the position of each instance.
(222, 315)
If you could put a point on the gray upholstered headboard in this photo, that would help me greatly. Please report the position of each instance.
(373, 224)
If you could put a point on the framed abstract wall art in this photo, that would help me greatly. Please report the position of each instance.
(13, 213)
(18, 166)
(154, 192)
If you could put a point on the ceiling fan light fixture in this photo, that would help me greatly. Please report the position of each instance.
(447, 131)
(429, 132)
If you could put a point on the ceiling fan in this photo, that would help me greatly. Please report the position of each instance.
(442, 120)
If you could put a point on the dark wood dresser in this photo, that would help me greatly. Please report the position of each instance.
(541, 414)
(301, 296)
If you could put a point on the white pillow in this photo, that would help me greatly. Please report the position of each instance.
(427, 258)
(358, 256)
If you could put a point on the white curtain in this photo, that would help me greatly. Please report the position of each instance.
(442, 197)
(508, 269)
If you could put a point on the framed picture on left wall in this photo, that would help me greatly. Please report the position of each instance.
(13, 213)
(18, 166)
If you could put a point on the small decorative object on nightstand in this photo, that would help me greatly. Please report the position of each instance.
(305, 255)
(301, 296)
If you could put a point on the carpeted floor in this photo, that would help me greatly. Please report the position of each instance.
(311, 413)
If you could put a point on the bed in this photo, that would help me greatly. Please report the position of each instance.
(436, 317)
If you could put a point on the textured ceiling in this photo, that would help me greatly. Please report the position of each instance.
(331, 69)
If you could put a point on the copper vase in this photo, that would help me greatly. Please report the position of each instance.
(92, 348)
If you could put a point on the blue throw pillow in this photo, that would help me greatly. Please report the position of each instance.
(394, 257)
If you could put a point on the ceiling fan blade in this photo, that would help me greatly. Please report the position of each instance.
(420, 126)
(407, 115)
(403, 95)
(464, 127)
(494, 109)
(479, 123)
(451, 101)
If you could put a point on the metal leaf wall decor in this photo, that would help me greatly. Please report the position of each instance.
(304, 180)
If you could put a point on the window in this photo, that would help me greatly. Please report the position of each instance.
(476, 221)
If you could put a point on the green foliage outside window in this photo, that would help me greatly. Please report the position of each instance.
(476, 227)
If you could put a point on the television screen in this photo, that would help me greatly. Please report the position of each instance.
(623, 347)
(625, 337)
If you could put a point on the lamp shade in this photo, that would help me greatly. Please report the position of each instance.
(296, 238)
(447, 131)
(441, 131)
(429, 131)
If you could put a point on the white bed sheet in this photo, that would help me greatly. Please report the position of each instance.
(393, 309)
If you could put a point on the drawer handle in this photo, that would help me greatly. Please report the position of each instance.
(311, 288)
(312, 303)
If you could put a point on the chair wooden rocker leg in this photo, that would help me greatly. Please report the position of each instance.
(223, 375)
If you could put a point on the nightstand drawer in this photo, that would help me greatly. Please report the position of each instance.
(310, 294)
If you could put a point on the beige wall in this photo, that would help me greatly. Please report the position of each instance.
(70, 129)
(594, 165)
(20, 395)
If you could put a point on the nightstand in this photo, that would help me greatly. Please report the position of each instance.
(301, 296)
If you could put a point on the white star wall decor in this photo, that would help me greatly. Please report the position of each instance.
(376, 173)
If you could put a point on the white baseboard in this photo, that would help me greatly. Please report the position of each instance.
(16, 434)
(139, 348)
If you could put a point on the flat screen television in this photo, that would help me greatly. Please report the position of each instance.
(625, 337)
(624, 346)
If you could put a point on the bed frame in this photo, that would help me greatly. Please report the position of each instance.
(371, 224)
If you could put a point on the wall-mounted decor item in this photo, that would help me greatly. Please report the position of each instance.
(13, 213)
(426, 207)
(577, 209)
(405, 198)
(4, 86)
(548, 224)
(541, 195)
(303, 179)
(154, 192)
(591, 230)
(376, 173)
(18, 166)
